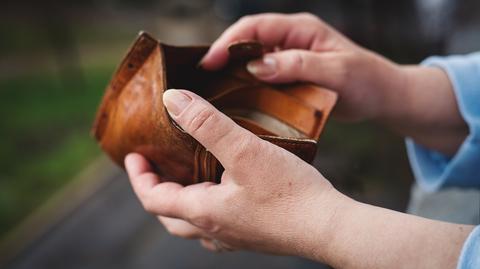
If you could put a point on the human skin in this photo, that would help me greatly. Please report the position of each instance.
(271, 201)
(415, 101)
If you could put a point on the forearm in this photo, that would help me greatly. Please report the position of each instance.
(414, 101)
(421, 104)
(364, 236)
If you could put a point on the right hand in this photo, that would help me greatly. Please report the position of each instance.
(269, 200)
(414, 101)
(266, 193)
(304, 48)
(183, 229)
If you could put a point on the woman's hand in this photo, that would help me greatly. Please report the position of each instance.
(304, 48)
(414, 101)
(268, 200)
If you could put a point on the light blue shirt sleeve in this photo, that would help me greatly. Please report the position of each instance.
(434, 170)
(470, 256)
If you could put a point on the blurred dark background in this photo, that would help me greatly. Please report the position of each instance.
(62, 204)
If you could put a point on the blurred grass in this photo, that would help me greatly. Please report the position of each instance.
(45, 137)
(48, 106)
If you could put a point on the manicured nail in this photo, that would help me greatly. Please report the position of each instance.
(265, 67)
(176, 101)
(200, 63)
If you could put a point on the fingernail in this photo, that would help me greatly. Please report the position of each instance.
(265, 67)
(176, 101)
(200, 63)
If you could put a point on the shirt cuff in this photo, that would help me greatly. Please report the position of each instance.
(434, 170)
(470, 255)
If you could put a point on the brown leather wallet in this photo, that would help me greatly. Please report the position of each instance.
(132, 117)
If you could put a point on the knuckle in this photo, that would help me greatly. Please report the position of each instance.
(200, 121)
(181, 234)
(247, 18)
(298, 61)
(148, 204)
(306, 16)
(198, 215)
(255, 19)
(342, 71)
(179, 229)
(189, 235)
(271, 16)
(245, 149)
(176, 232)
(169, 227)
(203, 222)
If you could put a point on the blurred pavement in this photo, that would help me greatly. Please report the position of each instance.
(110, 229)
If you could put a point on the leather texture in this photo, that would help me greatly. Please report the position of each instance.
(132, 117)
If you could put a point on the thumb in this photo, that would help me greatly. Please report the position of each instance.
(228, 142)
(323, 68)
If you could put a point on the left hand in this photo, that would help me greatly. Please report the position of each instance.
(268, 200)
(415, 101)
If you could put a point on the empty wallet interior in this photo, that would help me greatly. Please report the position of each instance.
(252, 104)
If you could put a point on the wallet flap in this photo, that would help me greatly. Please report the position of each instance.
(134, 60)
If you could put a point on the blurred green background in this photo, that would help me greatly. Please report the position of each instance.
(53, 72)
(45, 127)
(56, 57)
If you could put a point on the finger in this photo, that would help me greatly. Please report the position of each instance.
(208, 244)
(216, 246)
(272, 30)
(325, 68)
(169, 198)
(230, 143)
(140, 173)
(181, 228)
(136, 164)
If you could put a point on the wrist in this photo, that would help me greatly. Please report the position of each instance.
(400, 100)
(328, 212)
(377, 84)
(423, 106)
(390, 81)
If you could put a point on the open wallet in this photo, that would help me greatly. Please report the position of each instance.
(133, 118)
